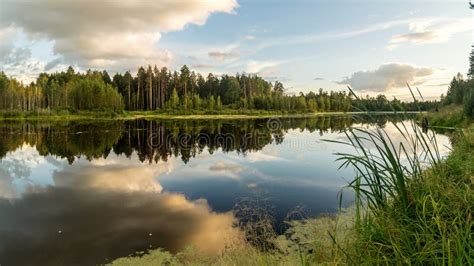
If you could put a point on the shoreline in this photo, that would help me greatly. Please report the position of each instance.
(134, 115)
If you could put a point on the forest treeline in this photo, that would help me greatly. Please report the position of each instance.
(461, 92)
(154, 89)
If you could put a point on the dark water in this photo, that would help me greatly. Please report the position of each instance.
(89, 192)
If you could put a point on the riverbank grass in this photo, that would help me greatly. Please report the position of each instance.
(431, 223)
(451, 116)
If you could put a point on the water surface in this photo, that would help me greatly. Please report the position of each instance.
(89, 192)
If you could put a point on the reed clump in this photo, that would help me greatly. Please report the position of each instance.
(412, 205)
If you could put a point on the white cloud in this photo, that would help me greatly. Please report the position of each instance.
(230, 51)
(25, 71)
(12, 56)
(432, 31)
(222, 56)
(112, 34)
(249, 37)
(387, 77)
(263, 68)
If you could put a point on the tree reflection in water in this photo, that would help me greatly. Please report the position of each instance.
(158, 140)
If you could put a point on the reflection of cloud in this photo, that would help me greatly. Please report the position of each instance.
(223, 166)
(386, 77)
(96, 225)
(109, 177)
(15, 171)
(262, 157)
(115, 173)
(7, 189)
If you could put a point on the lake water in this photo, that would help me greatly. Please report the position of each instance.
(89, 192)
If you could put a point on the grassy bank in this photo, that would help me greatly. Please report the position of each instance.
(428, 219)
(412, 207)
(64, 115)
(451, 116)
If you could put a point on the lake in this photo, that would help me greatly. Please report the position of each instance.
(89, 192)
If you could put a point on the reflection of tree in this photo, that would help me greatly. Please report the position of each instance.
(158, 140)
(66, 140)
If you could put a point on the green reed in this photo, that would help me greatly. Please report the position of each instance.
(412, 207)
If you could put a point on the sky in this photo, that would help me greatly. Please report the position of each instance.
(373, 46)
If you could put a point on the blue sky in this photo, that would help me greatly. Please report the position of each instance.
(374, 46)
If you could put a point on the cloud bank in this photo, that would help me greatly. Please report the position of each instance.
(387, 77)
(112, 34)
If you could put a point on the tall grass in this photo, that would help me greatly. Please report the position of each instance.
(411, 206)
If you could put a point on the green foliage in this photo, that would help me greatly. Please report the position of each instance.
(174, 100)
(313, 105)
(219, 103)
(231, 88)
(212, 103)
(456, 90)
(92, 94)
(155, 89)
(300, 103)
(381, 103)
(406, 212)
(196, 101)
(461, 92)
(187, 102)
(468, 100)
(64, 90)
(451, 116)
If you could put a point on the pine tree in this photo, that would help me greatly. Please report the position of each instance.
(174, 99)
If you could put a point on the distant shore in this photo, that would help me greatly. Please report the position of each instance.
(151, 115)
